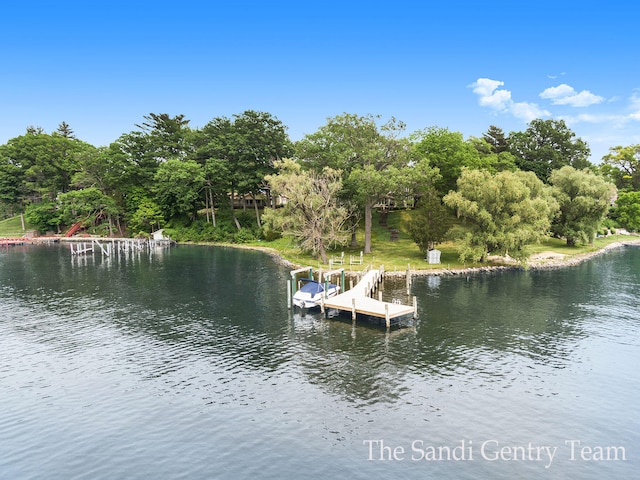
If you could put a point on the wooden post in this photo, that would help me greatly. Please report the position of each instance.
(288, 293)
(415, 306)
(292, 291)
(386, 315)
(353, 308)
(321, 303)
(408, 279)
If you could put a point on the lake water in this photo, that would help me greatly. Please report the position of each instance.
(187, 364)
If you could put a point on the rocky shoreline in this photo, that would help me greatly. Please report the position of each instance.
(540, 261)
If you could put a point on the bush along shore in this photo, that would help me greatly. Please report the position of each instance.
(550, 259)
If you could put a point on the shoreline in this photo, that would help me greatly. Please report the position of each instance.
(540, 261)
(543, 261)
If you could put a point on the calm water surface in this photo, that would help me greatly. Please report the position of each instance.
(188, 364)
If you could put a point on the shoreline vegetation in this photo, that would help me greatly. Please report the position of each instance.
(546, 260)
(398, 257)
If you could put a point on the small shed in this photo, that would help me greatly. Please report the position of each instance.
(433, 256)
(159, 235)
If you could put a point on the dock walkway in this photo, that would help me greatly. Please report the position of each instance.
(358, 300)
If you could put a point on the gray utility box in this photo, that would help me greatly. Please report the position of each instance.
(433, 256)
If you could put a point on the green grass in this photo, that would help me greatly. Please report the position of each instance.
(12, 227)
(394, 255)
(560, 246)
(397, 255)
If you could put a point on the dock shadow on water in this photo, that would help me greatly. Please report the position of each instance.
(187, 363)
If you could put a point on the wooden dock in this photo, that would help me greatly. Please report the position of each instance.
(12, 241)
(358, 300)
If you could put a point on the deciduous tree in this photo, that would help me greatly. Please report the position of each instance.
(365, 152)
(627, 210)
(177, 186)
(584, 199)
(448, 152)
(312, 214)
(547, 145)
(624, 166)
(88, 205)
(246, 147)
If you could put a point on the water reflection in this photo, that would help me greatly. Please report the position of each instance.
(142, 366)
(226, 307)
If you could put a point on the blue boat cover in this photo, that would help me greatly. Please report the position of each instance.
(312, 287)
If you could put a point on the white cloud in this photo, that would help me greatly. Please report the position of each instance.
(491, 95)
(527, 111)
(612, 120)
(564, 94)
(614, 123)
(485, 86)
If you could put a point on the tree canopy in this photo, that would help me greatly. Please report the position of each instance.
(547, 145)
(165, 173)
(312, 214)
(501, 213)
(365, 151)
(584, 199)
(623, 166)
(627, 210)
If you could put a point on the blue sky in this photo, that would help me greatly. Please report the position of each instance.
(101, 65)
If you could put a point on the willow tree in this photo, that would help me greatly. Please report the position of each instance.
(502, 212)
(312, 214)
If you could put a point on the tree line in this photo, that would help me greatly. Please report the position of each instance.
(494, 193)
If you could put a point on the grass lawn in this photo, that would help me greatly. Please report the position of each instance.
(12, 227)
(396, 255)
(560, 246)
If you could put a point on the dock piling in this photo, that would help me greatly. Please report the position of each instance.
(387, 319)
